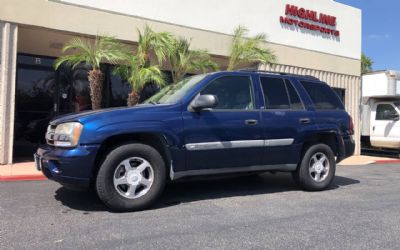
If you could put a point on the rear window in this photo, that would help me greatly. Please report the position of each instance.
(323, 97)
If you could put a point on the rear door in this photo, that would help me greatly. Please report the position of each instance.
(284, 119)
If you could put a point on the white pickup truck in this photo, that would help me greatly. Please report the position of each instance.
(380, 110)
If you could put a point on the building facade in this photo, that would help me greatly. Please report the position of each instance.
(321, 38)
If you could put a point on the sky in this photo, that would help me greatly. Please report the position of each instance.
(381, 31)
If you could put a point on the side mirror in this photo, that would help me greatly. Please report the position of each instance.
(204, 102)
(395, 117)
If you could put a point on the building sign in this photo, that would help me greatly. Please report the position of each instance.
(310, 20)
(300, 26)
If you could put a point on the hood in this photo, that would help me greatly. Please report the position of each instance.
(93, 114)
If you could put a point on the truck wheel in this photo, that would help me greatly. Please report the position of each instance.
(132, 177)
(317, 168)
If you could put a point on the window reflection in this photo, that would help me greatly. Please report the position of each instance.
(119, 90)
(35, 91)
(43, 93)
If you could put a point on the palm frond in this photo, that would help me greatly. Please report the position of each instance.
(102, 49)
(72, 60)
(158, 42)
(183, 60)
(366, 64)
(246, 50)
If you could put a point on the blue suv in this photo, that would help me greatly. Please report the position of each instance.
(217, 123)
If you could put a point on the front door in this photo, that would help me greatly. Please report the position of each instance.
(229, 135)
(34, 104)
(385, 128)
(73, 90)
(41, 94)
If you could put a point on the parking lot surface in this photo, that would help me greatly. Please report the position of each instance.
(361, 210)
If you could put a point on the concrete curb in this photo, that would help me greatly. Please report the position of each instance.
(24, 171)
(12, 178)
(387, 161)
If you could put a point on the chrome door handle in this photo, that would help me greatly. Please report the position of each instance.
(305, 120)
(251, 122)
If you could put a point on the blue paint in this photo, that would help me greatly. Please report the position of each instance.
(179, 126)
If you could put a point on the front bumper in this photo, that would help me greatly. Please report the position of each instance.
(69, 166)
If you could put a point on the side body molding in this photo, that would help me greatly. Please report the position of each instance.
(239, 144)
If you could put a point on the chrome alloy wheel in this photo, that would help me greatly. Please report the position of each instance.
(319, 167)
(133, 177)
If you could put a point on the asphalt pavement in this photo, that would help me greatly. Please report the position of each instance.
(361, 210)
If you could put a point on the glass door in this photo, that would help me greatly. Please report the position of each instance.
(73, 90)
(34, 107)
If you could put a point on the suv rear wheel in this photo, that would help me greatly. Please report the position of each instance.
(131, 177)
(317, 168)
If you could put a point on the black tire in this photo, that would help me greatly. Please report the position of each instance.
(302, 175)
(105, 185)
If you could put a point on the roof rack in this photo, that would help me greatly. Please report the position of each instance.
(278, 73)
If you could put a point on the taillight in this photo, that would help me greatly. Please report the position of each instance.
(351, 126)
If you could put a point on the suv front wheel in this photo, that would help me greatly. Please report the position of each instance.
(317, 168)
(131, 177)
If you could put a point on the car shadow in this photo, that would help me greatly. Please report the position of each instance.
(201, 189)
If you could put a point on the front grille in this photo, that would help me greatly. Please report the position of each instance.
(50, 134)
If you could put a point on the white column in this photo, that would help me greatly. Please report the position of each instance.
(8, 64)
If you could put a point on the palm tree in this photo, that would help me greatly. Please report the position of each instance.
(137, 73)
(248, 50)
(158, 42)
(183, 60)
(138, 69)
(366, 64)
(104, 48)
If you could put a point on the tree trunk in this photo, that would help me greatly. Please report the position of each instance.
(96, 78)
(133, 98)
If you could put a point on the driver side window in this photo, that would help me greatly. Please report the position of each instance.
(385, 112)
(233, 92)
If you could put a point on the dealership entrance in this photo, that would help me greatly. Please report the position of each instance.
(43, 93)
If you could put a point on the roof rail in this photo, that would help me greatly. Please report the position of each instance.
(278, 73)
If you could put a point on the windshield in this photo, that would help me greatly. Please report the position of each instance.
(174, 92)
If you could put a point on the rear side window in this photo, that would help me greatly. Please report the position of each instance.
(294, 98)
(323, 97)
(280, 94)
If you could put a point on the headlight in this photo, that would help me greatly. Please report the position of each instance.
(67, 134)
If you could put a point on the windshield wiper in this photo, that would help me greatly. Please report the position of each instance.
(153, 102)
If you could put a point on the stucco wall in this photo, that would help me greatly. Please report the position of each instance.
(8, 50)
(87, 21)
(257, 15)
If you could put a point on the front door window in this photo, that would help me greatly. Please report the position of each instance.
(385, 112)
(233, 92)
